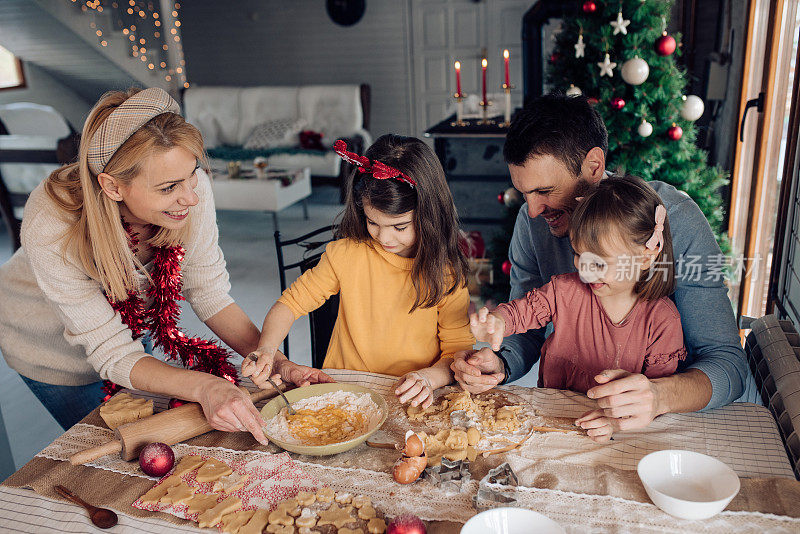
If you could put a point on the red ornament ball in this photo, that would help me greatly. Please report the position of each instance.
(174, 403)
(554, 57)
(506, 267)
(500, 198)
(406, 524)
(589, 7)
(665, 45)
(617, 103)
(675, 132)
(157, 459)
(592, 101)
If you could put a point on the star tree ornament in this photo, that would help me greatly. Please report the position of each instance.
(645, 129)
(635, 71)
(580, 47)
(621, 24)
(607, 66)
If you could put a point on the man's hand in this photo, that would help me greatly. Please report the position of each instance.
(299, 375)
(487, 327)
(477, 370)
(625, 401)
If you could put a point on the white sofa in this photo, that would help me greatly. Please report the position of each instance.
(226, 116)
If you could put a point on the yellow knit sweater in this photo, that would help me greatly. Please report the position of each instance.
(374, 331)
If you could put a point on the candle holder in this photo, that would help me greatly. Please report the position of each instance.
(459, 110)
(507, 112)
(485, 105)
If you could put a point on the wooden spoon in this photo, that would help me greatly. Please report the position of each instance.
(101, 517)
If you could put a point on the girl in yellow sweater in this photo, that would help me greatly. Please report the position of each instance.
(398, 270)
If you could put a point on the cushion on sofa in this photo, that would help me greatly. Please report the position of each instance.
(333, 110)
(221, 103)
(275, 133)
(263, 103)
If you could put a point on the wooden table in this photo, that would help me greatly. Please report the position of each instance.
(601, 493)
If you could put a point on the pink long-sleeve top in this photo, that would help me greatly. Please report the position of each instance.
(586, 342)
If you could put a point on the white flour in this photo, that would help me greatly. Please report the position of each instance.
(362, 403)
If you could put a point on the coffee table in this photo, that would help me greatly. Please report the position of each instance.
(279, 190)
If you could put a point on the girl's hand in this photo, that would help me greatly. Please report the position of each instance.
(598, 427)
(299, 375)
(487, 327)
(229, 409)
(415, 387)
(259, 370)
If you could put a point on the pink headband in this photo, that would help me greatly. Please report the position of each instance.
(658, 233)
(379, 170)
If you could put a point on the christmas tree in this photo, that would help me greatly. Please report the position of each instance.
(621, 57)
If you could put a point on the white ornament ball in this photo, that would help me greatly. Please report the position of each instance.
(574, 91)
(645, 129)
(692, 108)
(635, 71)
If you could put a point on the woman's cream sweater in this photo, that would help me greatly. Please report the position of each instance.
(55, 323)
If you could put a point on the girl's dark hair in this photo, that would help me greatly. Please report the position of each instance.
(625, 205)
(439, 266)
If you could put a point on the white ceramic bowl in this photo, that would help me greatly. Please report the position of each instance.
(688, 484)
(511, 521)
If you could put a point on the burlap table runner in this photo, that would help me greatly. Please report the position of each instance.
(779, 496)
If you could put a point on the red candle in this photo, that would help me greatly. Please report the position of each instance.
(505, 59)
(458, 78)
(483, 77)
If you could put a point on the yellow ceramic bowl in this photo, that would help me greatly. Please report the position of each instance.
(275, 405)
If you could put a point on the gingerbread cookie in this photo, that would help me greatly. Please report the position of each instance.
(123, 408)
(307, 519)
(325, 494)
(343, 498)
(306, 498)
(199, 503)
(291, 506)
(178, 494)
(336, 515)
(212, 470)
(361, 500)
(231, 523)
(211, 517)
(256, 524)
(279, 516)
(155, 493)
(366, 512)
(350, 531)
(280, 529)
(376, 526)
(188, 463)
(230, 483)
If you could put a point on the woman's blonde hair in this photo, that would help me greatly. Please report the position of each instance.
(96, 234)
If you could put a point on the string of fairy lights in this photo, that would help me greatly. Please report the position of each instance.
(153, 37)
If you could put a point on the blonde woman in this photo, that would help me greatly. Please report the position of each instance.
(95, 236)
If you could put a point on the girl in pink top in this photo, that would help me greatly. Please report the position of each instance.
(614, 313)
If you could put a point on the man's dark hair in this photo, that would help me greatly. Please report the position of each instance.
(565, 127)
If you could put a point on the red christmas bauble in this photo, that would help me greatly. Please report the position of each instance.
(156, 459)
(174, 403)
(555, 56)
(406, 524)
(592, 100)
(675, 132)
(589, 7)
(665, 45)
(500, 198)
(617, 103)
(506, 268)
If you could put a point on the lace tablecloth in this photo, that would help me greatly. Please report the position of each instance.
(584, 486)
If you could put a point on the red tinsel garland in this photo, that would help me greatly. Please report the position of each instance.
(162, 318)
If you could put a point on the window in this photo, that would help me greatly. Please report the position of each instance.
(11, 76)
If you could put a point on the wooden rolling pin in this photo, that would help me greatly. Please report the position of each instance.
(170, 427)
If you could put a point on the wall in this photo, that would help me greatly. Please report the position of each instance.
(42, 88)
(270, 42)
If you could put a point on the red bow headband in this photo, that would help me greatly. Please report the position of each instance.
(379, 170)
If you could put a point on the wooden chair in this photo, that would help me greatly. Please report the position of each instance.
(323, 319)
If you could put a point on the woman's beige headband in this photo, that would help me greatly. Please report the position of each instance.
(131, 115)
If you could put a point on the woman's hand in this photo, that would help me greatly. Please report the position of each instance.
(415, 387)
(487, 327)
(299, 375)
(229, 409)
(477, 371)
(262, 367)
